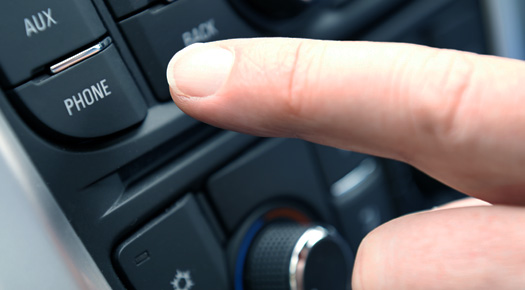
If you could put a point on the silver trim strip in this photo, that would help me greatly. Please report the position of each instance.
(506, 27)
(40, 249)
(300, 253)
(354, 178)
(56, 68)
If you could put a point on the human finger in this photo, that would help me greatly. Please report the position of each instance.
(463, 202)
(455, 115)
(459, 248)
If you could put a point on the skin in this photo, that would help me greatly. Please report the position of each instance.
(457, 116)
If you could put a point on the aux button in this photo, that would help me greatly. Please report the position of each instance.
(37, 32)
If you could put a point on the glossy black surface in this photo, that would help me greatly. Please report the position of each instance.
(159, 169)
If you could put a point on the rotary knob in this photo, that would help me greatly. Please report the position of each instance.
(280, 8)
(289, 256)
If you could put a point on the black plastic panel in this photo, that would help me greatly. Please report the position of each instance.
(175, 251)
(37, 32)
(277, 169)
(167, 29)
(363, 200)
(123, 7)
(336, 163)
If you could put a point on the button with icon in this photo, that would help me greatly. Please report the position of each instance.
(176, 251)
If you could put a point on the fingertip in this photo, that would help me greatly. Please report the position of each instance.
(369, 262)
(464, 202)
(170, 70)
(357, 273)
(199, 70)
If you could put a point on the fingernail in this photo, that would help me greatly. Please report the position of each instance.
(199, 70)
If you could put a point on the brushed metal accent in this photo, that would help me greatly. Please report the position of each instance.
(302, 248)
(70, 61)
(40, 249)
(506, 27)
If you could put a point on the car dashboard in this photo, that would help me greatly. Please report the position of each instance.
(106, 184)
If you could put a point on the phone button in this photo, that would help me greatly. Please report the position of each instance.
(94, 98)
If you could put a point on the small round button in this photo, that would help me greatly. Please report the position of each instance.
(280, 8)
(289, 256)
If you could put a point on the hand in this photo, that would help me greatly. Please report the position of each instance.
(459, 117)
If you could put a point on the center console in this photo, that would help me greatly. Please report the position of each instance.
(112, 186)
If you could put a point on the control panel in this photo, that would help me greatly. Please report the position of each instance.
(159, 200)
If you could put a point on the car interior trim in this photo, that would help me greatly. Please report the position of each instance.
(70, 61)
(31, 219)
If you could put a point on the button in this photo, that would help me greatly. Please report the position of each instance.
(278, 169)
(176, 251)
(175, 26)
(362, 200)
(37, 32)
(123, 7)
(95, 98)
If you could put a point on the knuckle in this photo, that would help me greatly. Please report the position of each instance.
(457, 77)
(447, 83)
(301, 70)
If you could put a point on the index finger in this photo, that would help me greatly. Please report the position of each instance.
(455, 115)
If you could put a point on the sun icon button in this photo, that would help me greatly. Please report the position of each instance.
(182, 281)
